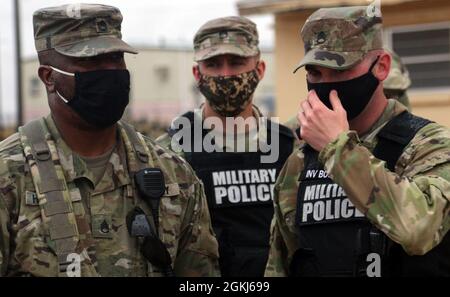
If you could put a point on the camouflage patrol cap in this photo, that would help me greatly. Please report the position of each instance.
(230, 35)
(339, 38)
(79, 30)
(398, 78)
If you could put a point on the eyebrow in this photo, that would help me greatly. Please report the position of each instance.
(211, 60)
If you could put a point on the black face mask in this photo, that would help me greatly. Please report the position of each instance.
(355, 94)
(101, 96)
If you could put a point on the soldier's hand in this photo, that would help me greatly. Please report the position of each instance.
(319, 124)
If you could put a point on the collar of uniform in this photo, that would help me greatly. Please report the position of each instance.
(75, 167)
(392, 109)
(116, 173)
(257, 114)
(199, 111)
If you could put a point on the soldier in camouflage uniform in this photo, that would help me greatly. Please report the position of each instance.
(237, 185)
(368, 193)
(227, 72)
(68, 183)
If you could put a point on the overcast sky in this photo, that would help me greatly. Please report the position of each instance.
(146, 22)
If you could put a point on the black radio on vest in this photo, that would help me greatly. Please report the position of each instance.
(239, 191)
(336, 239)
(151, 186)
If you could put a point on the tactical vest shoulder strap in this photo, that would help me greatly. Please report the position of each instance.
(52, 192)
(310, 160)
(396, 135)
(282, 130)
(138, 146)
(189, 115)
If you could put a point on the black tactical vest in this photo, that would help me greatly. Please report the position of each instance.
(239, 191)
(335, 238)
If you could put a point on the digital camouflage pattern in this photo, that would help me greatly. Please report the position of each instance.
(229, 95)
(411, 205)
(233, 35)
(79, 30)
(99, 211)
(339, 38)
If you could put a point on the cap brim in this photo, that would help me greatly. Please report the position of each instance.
(96, 46)
(223, 49)
(330, 59)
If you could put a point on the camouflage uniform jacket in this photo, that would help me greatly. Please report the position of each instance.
(27, 249)
(411, 205)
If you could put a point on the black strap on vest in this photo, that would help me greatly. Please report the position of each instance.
(396, 135)
(141, 155)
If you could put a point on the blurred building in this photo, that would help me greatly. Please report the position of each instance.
(162, 86)
(418, 30)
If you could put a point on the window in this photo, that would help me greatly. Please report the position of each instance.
(425, 50)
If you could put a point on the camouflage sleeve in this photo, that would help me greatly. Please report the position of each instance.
(199, 253)
(4, 237)
(277, 264)
(413, 208)
(166, 142)
(7, 202)
(283, 236)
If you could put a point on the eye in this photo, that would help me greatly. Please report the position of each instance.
(311, 71)
(85, 59)
(117, 56)
(238, 62)
(210, 64)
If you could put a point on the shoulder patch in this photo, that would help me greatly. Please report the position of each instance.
(172, 130)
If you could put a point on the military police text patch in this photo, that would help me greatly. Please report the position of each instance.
(241, 187)
(320, 200)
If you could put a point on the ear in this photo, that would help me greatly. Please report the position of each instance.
(45, 74)
(381, 70)
(196, 72)
(261, 69)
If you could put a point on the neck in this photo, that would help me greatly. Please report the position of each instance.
(373, 111)
(87, 143)
(209, 112)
